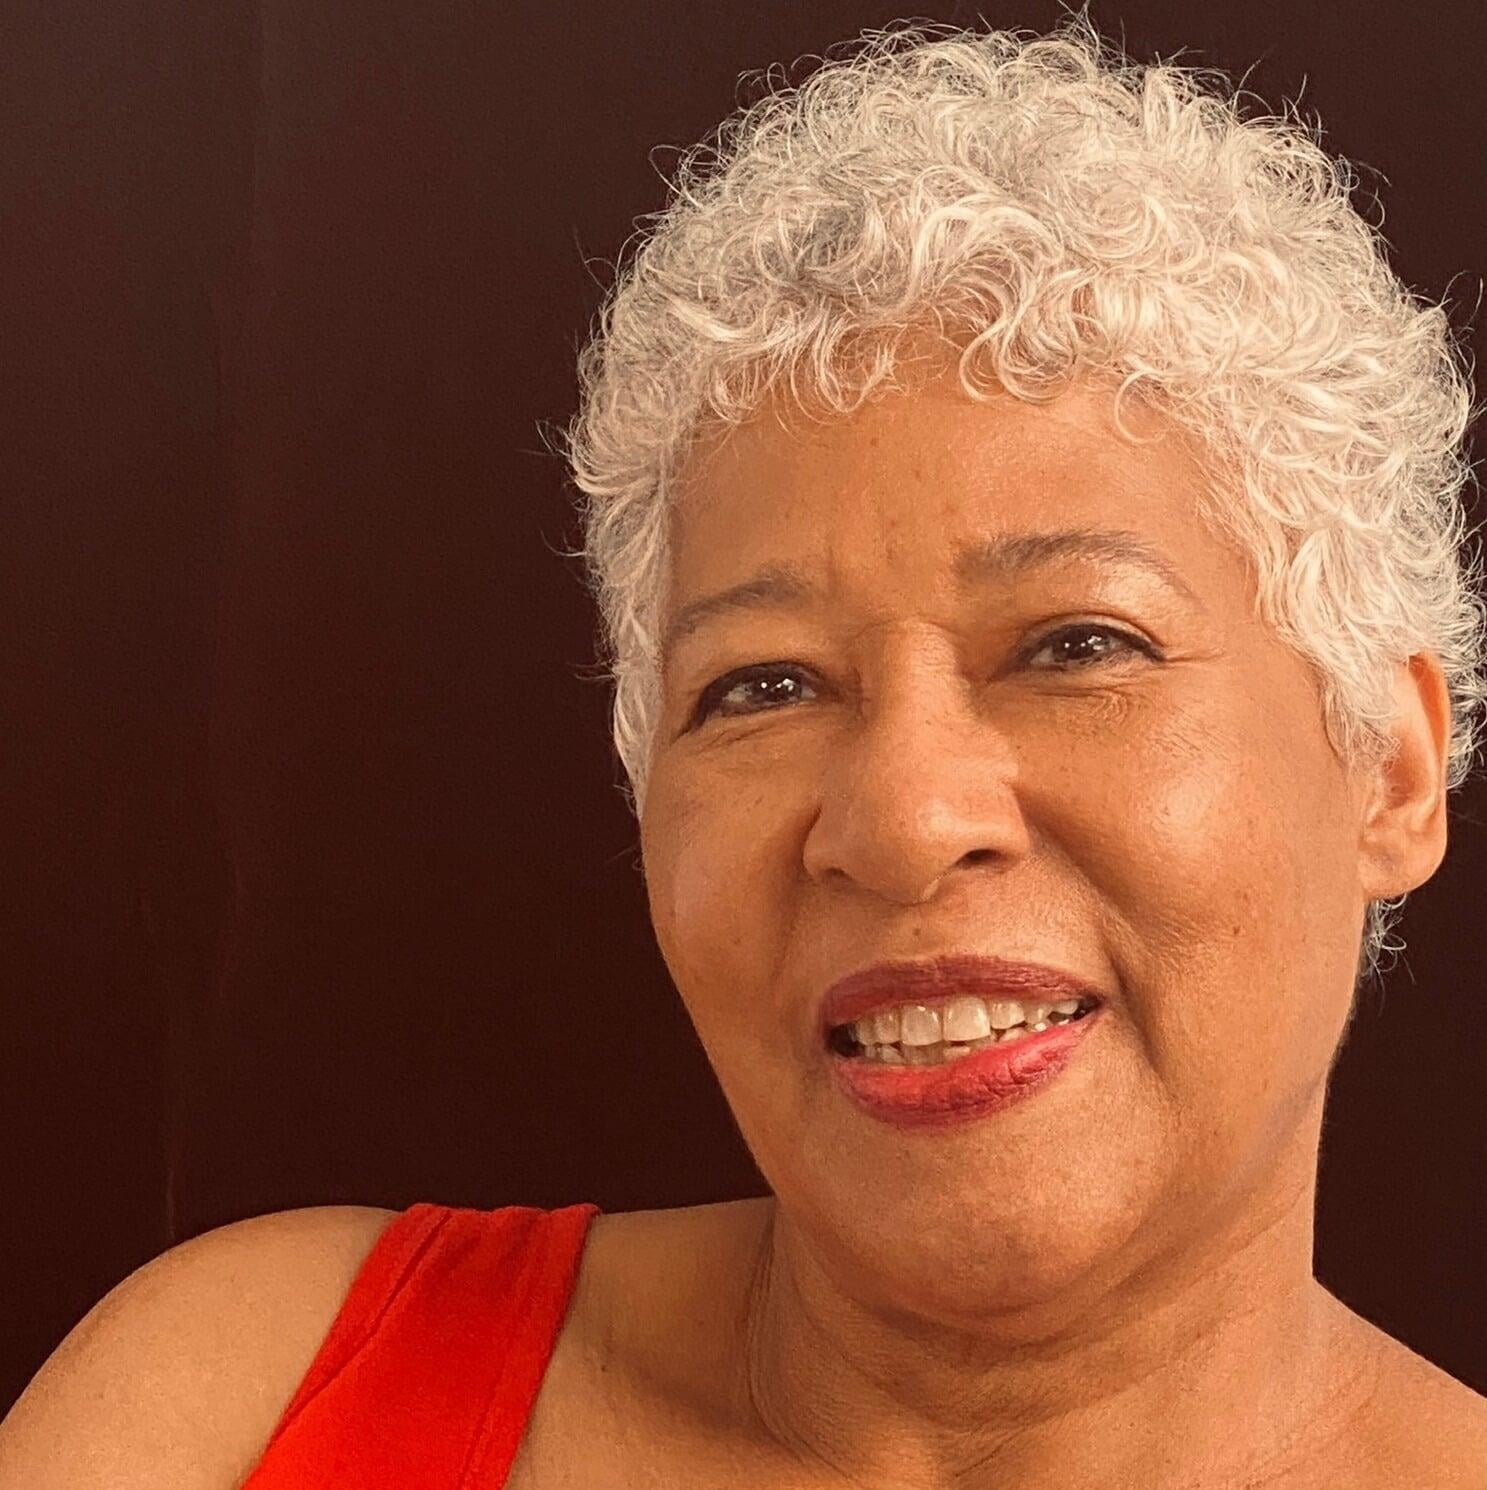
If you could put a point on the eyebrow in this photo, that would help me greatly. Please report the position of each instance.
(982, 562)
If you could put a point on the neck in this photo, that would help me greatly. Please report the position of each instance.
(1203, 1370)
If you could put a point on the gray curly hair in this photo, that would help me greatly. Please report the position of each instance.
(1046, 207)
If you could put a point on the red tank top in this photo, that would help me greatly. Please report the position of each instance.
(427, 1376)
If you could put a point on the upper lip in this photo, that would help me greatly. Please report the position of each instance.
(888, 983)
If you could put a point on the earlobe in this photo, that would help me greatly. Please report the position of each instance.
(1403, 833)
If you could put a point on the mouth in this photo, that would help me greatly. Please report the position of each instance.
(1001, 986)
(921, 1035)
(938, 1086)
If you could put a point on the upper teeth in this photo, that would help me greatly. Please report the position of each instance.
(964, 1017)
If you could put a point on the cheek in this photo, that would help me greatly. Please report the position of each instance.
(1193, 822)
(1224, 869)
(716, 936)
(703, 861)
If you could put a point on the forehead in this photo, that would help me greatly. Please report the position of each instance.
(929, 472)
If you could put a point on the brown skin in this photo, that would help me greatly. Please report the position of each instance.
(1109, 1284)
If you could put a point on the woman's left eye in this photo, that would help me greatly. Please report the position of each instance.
(767, 672)
(1128, 640)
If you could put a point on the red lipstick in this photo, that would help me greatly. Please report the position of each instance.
(887, 983)
(972, 1086)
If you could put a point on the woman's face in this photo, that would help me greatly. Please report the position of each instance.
(923, 775)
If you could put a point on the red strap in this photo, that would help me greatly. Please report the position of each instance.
(427, 1377)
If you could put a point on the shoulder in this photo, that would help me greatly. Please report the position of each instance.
(1425, 1426)
(1447, 1424)
(181, 1372)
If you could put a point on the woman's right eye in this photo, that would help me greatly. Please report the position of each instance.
(716, 691)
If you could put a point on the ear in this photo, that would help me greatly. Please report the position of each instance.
(1402, 834)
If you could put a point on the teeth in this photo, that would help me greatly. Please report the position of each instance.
(939, 1055)
(963, 1018)
(1005, 1013)
(920, 1026)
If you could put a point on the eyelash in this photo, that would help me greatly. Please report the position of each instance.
(713, 695)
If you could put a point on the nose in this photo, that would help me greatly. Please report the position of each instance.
(920, 783)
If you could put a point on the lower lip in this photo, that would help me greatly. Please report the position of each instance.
(960, 1091)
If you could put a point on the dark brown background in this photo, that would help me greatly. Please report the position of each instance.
(316, 883)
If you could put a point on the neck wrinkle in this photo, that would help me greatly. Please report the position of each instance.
(1350, 1378)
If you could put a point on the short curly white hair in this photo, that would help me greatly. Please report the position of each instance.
(1048, 207)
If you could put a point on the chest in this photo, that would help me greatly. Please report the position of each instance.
(593, 1426)
(587, 1431)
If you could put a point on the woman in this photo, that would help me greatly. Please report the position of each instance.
(1025, 513)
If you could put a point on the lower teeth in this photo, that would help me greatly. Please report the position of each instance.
(946, 1051)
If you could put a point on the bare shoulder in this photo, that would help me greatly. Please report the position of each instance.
(1427, 1428)
(1449, 1430)
(181, 1372)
